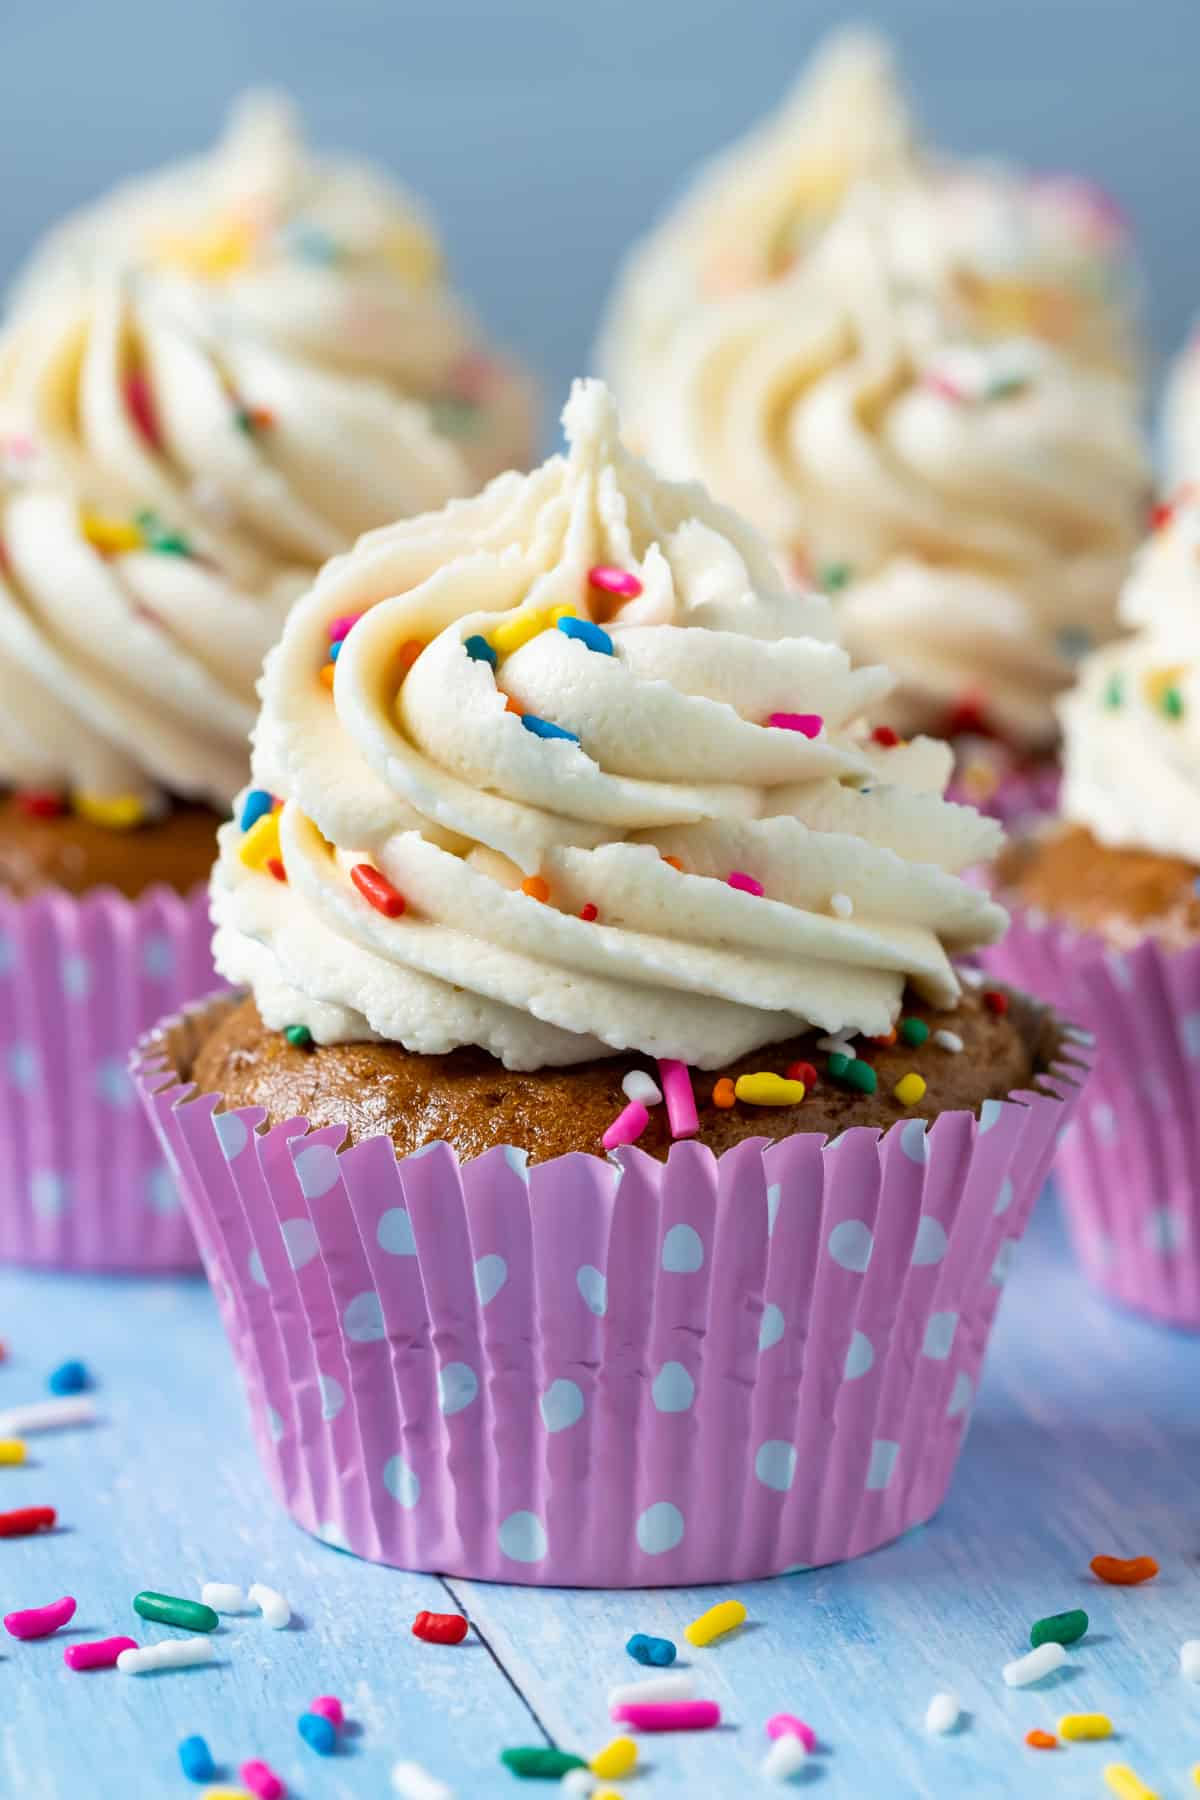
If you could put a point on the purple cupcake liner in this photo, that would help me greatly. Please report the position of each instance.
(605, 1372)
(83, 1179)
(1128, 1167)
(1020, 797)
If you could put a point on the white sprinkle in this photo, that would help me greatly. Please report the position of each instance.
(273, 1607)
(1189, 1659)
(949, 1040)
(942, 1713)
(637, 1085)
(837, 1046)
(578, 1781)
(1042, 1661)
(413, 1782)
(659, 1687)
(48, 1415)
(224, 1597)
(842, 905)
(786, 1757)
(972, 977)
(172, 1653)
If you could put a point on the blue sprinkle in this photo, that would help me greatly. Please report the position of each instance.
(311, 244)
(656, 1653)
(594, 636)
(256, 803)
(335, 649)
(479, 650)
(69, 1378)
(544, 729)
(195, 1759)
(318, 1732)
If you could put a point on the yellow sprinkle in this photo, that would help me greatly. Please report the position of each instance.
(1157, 682)
(910, 1088)
(727, 1615)
(12, 1451)
(261, 843)
(1085, 1725)
(616, 1760)
(413, 253)
(1196, 1775)
(219, 1793)
(765, 1089)
(1120, 1779)
(217, 250)
(118, 812)
(606, 1794)
(562, 612)
(528, 623)
(112, 537)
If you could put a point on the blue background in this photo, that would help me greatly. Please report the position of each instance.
(546, 133)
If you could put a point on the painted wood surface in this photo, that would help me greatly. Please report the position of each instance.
(1086, 1439)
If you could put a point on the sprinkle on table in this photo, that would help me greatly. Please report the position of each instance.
(1035, 1665)
(540, 1762)
(807, 724)
(13, 1452)
(669, 1715)
(376, 889)
(617, 1760)
(1059, 1628)
(724, 1617)
(318, 1732)
(26, 1521)
(440, 1628)
(651, 1652)
(40, 1621)
(70, 1377)
(910, 1089)
(99, 1653)
(1126, 1784)
(170, 1609)
(767, 1089)
(1041, 1740)
(1081, 1728)
(609, 580)
(1119, 1572)
(676, 1083)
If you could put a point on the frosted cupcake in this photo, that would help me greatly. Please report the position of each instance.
(174, 467)
(606, 1010)
(1108, 921)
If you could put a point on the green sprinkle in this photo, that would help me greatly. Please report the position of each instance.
(299, 1035)
(1006, 386)
(1114, 693)
(862, 1076)
(1060, 1628)
(167, 1609)
(166, 543)
(834, 577)
(913, 1031)
(454, 417)
(539, 1763)
(1172, 703)
(837, 1065)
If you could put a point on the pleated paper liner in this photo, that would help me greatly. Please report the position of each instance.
(84, 1183)
(1128, 1168)
(1018, 796)
(606, 1372)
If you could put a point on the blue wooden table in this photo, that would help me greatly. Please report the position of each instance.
(1086, 1439)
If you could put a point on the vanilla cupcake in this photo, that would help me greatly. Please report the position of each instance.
(605, 1010)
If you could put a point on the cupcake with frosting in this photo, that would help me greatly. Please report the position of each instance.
(1108, 921)
(598, 1002)
(196, 411)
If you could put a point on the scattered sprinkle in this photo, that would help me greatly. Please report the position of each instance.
(169, 1609)
(767, 1089)
(910, 1088)
(807, 724)
(1084, 1727)
(116, 812)
(24, 1521)
(594, 636)
(224, 1597)
(948, 1040)
(627, 1127)
(40, 1621)
(257, 804)
(1120, 1573)
(723, 1094)
(544, 728)
(262, 1780)
(788, 1725)
(738, 878)
(329, 1707)
(318, 1732)
(261, 842)
(617, 1760)
(841, 905)
(173, 1653)
(669, 1715)
(536, 887)
(1121, 1780)
(1189, 1659)
(378, 890)
(101, 1653)
(1041, 1740)
(726, 1616)
(70, 1377)
(786, 1757)
(479, 650)
(412, 1782)
(913, 1032)
(654, 1652)
(540, 1762)
(676, 1083)
(637, 1085)
(13, 1452)
(614, 581)
(440, 1628)
(658, 1690)
(943, 1713)
(273, 1607)
(1059, 1628)
(299, 1036)
(47, 1415)
(1034, 1666)
(996, 1000)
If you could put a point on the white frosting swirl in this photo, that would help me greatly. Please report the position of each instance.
(1132, 726)
(432, 779)
(1181, 415)
(863, 439)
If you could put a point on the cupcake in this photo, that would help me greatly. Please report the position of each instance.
(1006, 252)
(601, 1095)
(1108, 921)
(175, 465)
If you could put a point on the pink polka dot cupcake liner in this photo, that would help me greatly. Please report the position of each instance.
(84, 1183)
(1128, 1165)
(606, 1372)
(1017, 797)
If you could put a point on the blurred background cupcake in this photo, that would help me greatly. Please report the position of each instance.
(919, 378)
(209, 383)
(1108, 922)
(1180, 445)
(605, 1097)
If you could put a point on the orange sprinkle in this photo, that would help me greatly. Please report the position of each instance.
(1119, 1573)
(537, 887)
(1041, 1740)
(511, 706)
(887, 1039)
(723, 1094)
(327, 670)
(674, 862)
(409, 652)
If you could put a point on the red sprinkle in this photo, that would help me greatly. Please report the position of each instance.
(41, 804)
(996, 1000)
(1161, 515)
(377, 889)
(440, 1628)
(277, 869)
(101, 1653)
(589, 912)
(883, 734)
(26, 1520)
(802, 1071)
(967, 717)
(140, 402)
(614, 581)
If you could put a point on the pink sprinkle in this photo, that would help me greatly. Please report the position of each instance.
(329, 1707)
(615, 581)
(669, 1715)
(941, 384)
(100, 1654)
(140, 402)
(471, 376)
(39, 1621)
(627, 1127)
(342, 627)
(262, 1781)
(808, 723)
(747, 883)
(676, 1084)
(787, 1725)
